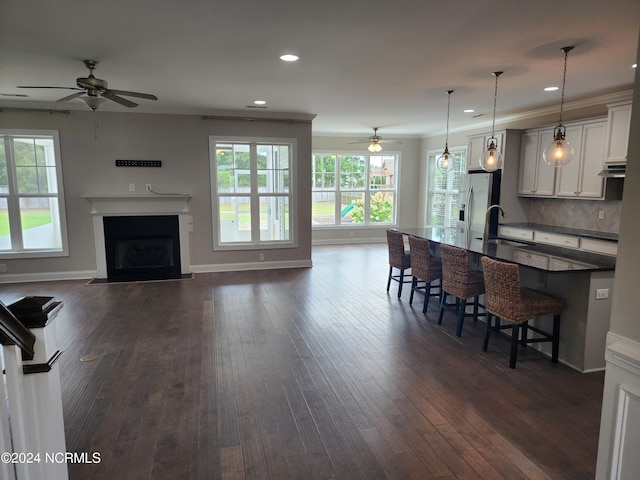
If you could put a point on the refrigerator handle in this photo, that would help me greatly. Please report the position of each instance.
(467, 219)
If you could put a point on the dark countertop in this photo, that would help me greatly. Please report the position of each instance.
(613, 237)
(545, 258)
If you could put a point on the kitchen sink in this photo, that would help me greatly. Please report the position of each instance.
(506, 241)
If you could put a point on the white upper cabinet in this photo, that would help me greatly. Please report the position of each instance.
(579, 178)
(536, 178)
(617, 134)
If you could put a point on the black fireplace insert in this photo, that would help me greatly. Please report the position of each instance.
(142, 247)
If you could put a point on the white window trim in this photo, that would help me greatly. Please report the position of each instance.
(431, 166)
(254, 194)
(44, 253)
(338, 190)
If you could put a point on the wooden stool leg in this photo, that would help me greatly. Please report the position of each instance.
(401, 283)
(476, 303)
(514, 345)
(414, 284)
(390, 276)
(555, 342)
(487, 332)
(525, 330)
(461, 313)
(442, 302)
(427, 295)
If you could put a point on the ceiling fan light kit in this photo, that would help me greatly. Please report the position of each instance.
(491, 159)
(93, 92)
(559, 152)
(374, 146)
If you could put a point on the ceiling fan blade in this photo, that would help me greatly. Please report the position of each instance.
(122, 101)
(71, 97)
(146, 96)
(63, 88)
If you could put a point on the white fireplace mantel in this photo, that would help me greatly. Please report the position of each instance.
(153, 204)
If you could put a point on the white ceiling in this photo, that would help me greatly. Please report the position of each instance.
(364, 64)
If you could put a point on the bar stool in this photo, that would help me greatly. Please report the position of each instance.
(461, 282)
(424, 268)
(507, 300)
(398, 258)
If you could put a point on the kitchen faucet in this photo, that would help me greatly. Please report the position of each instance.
(485, 235)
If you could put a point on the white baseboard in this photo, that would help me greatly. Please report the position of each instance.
(239, 267)
(90, 274)
(46, 276)
(620, 422)
(347, 241)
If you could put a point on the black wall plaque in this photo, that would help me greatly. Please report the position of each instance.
(138, 163)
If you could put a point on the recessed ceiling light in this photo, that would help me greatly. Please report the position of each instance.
(551, 89)
(289, 57)
(259, 102)
(469, 110)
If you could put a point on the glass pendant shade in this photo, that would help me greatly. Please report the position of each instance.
(491, 159)
(374, 147)
(444, 162)
(559, 152)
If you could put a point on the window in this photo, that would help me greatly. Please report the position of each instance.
(442, 200)
(252, 195)
(32, 219)
(353, 189)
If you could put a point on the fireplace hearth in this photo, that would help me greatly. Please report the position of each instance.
(142, 247)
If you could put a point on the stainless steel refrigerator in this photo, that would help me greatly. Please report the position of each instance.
(478, 191)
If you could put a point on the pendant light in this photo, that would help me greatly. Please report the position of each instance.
(444, 162)
(559, 152)
(491, 159)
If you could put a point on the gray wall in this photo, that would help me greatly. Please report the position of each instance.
(182, 143)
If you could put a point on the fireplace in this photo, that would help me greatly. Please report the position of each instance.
(104, 207)
(142, 247)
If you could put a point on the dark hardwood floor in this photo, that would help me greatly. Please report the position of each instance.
(306, 374)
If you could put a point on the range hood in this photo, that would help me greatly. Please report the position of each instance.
(614, 171)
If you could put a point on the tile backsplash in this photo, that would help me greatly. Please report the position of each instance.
(582, 214)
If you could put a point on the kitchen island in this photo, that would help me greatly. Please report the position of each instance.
(584, 281)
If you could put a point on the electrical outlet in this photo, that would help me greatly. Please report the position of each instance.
(132, 187)
(3, 268)
(148, 187)
(602, 293)
(601, 214)
(261, 257)
(541, 208)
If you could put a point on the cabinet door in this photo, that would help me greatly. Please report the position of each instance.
(477, 146)
(568, 181)
(592, 184)
(546, 175)
(528, 162)
(617, 136)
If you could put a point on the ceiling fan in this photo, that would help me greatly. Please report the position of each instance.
(94, 91)
(375, 142)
